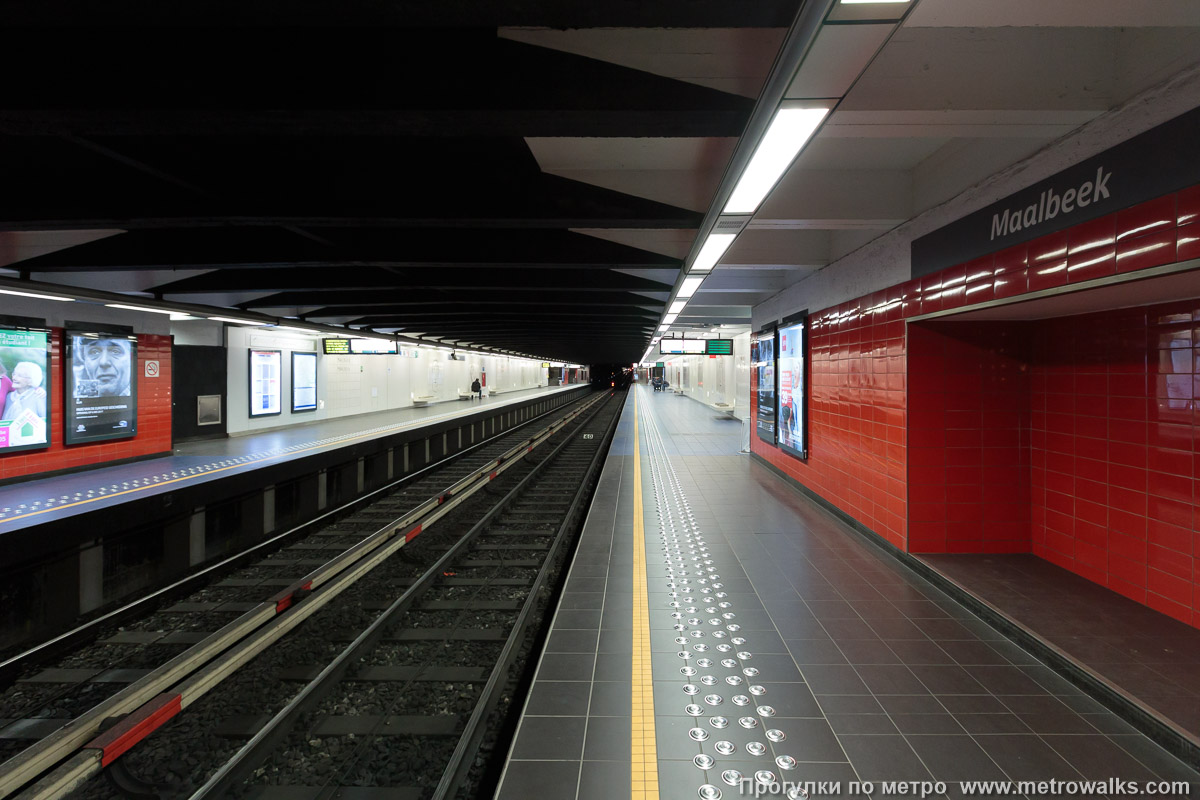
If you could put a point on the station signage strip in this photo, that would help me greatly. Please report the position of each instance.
(1152, 164)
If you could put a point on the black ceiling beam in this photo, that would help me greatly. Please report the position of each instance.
(547, 316)
(466, 296)
(373, 82)
(410, 14)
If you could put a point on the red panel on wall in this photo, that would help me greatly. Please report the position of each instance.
(154, 417)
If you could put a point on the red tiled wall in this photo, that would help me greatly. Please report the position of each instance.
(968, 438)
(856, 417)
(863, 420)
(1114, 452)
(154, 417)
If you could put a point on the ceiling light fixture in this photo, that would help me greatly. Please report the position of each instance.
(714, 247)
(234, 321)
(689, 287)
(38, 296)
(790, 130)
(670, 318)
(298, 330)
(664, 326)
(179, 316)
(140, 308)
(677, 306)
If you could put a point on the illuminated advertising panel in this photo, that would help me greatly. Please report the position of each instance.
(265, 379)
(101, 394)
(304, 382)
(24, 390)
(762, 375)
(675, 347)
(792, 416)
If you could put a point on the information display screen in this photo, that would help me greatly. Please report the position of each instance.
(336, 347)
(101, 394)
(265, 382)
(718, 347)
(372, 347)
(793, 411)
(762, 373)
(304, 382)
(24, 390)
(674, 347)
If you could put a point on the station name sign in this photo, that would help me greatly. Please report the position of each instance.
(1149, 165)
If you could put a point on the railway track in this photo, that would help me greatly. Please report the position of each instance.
(366, 563)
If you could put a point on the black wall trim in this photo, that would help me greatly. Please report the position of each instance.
(1164, 734)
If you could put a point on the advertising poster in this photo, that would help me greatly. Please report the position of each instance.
(265, 387)
(792, 415)
(24, 390)
(763, 372)
(304, 382)
(101, 387)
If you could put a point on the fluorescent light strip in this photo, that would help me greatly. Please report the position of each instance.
(140, 308)
(38, 296)
(689, 287)
(236, 321)
(714, 247)
(790, 130)
(298, 330)
(677, 306)
(670, 318)
(664, 326)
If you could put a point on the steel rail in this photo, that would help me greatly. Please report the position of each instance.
(144, 704)
(461, 759)
(247, 758)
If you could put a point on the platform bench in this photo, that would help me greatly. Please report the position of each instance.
(423, 400)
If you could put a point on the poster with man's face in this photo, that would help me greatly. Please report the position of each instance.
(101, 387)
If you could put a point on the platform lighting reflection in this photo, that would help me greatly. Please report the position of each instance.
(714, 247)
(139, 308)
(38, 295)
(790, 130)
(236, 321)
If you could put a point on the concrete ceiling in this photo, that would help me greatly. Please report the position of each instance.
(934, 103)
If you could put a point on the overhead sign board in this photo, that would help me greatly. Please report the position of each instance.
(718, 347)
(675, 347)
(336, 347)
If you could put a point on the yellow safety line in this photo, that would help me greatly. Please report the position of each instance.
(644, 761)
(342, 440)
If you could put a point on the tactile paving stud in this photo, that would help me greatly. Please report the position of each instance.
(741, 700)
(750, 672)
(694, 710)
(748, 722)
(766, 711)
(713, 699)
(765, 776)
(704, 761)
(688, 671)
(698, 734)
(708, 680)
(756, 748)
(709, 792)
(757, 690)
(797, 792)
(734, 680)
(728, 663)
(776, 735)
(785, 762)
(691, 688)
(719, 722)
(725, 748)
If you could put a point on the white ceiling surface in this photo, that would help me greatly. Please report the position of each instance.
(960, 91)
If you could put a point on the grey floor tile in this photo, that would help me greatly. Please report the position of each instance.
(566, 667)
(862, 723)
(607, 739)
(558, 698)
(815, 651)
(880, 758)
(525, 779)
(927, 724)
(849, 704)
(602, 780)
(1027, 757)
(834, 679)
(890, 679)
(549, 739)
(955, 758)
(567, 640)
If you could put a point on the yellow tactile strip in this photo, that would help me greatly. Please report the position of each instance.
(644, 750)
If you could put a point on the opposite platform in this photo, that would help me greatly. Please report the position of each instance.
(776, 644)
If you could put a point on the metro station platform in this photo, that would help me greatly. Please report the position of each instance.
(34, 502)
(718, 628)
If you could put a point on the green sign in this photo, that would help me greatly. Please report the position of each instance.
(718, 347)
